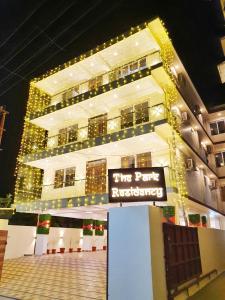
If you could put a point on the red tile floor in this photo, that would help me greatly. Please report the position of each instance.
(69, 276)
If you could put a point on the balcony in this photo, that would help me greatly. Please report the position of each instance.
(106, 131)
(103, 126)
(103, 83)
(75, 196)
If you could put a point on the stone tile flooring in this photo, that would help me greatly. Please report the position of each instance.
(70, 276)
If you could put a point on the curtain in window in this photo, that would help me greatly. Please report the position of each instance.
(127, 117)
(141, 113)
(144, 160)
(128, 161)
(59, 177)
(72, 133)
(95, 177)
(97, 126)
(69, 176)
(62, 137)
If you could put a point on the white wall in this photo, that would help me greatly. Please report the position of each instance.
(64, 238)
(21, 240)
(212, 249)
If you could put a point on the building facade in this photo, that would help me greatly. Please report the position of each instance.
(127, 103)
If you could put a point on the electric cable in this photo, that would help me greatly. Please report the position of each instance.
(11, 55)
(54, 39)
(22, 23)
(76, 37)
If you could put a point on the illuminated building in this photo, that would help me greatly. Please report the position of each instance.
(127, 103)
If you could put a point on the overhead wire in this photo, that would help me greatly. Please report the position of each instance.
(75, 38)
(33, 38)
(40, 3)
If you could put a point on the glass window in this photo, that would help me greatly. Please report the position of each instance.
(59, 177)
(99, 81)
(220, 159)
(95, 177)
(97, 126)
(134, 67)
(128, 161)
(221, 126)
(127, 117)
(144, 160)
(69, 176)
(217, 127)
(72, 133)
(92, 84)
(125, 71)
(75, 91)
(141, 113)
(143, 63)
(62, 137)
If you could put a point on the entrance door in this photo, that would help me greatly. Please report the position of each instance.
(95, 177)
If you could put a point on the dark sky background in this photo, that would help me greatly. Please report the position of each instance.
(38, 35)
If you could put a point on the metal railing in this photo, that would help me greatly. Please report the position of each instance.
(78, 186)
(107, 126)
(109, 76)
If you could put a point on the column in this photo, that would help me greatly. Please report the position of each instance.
(43, 227)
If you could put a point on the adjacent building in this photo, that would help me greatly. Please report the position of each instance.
(127, 103)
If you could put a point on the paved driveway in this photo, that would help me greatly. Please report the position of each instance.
(75, 276)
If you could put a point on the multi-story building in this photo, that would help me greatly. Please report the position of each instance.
(128, 102)
(3, 114)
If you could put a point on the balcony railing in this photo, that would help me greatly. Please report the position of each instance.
(107, 126)
(115, 74)
(78, 187)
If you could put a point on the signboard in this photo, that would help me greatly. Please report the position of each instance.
(137, 184)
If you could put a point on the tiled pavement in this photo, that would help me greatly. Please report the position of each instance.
(72, 276)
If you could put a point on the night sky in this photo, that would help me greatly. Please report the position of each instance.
(38, 35)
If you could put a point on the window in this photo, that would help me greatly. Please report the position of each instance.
(64, 178)
(144, 160)
(143, 63)
(91, 84)
(59, 178)
(133, 67)
(69, 176)
(127, 117)
(217, 127)
(97, 126)
(95, 82)
(72, 133)
(220, 159)
(125, 71)
(95, 177)
(62, 137)
(128, 161)
(141, 113)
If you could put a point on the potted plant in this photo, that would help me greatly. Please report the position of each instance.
(70, 248)
(62, 250)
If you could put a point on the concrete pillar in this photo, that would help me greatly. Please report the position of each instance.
(136, 267)
(43, 227)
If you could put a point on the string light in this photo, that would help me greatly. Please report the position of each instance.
(33, 144)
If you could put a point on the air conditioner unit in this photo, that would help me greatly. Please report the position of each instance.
(190, 164)
(213, 184)
(184, 116)
(209, 149)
